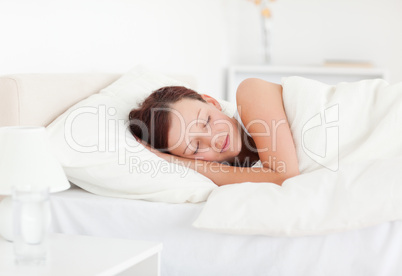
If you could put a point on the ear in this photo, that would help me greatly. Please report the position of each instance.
(212, 101)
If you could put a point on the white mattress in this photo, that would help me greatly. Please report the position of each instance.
(189, 251)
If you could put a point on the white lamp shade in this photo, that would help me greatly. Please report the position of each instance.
(26, 160)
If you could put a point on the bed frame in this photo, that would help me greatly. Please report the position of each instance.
(37, 99)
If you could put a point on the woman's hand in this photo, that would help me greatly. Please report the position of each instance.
(163, 155)
(186, 162)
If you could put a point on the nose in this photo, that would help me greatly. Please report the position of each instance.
(220, 141)
(213, 142)
(209, 139)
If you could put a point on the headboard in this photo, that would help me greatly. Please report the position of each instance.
(37, 99)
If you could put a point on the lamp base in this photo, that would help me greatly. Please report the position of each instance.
(6, 217)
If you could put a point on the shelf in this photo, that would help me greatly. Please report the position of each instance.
(308, 69)
(326, 74)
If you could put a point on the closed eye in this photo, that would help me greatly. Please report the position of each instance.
(209, 118)
(198, 145)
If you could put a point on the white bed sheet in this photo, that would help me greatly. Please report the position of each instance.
(189, 251)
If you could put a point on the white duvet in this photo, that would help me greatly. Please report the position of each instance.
(348, 140)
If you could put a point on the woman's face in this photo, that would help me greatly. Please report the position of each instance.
(202, 131)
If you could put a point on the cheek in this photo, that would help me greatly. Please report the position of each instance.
(210, 155)
(236, 136)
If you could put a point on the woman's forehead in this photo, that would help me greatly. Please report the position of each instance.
(186, 110)
(183, 115)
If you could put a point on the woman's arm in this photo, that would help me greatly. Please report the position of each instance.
(222, 174)
(261, 109)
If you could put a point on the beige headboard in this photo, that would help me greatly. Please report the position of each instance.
(37, 99)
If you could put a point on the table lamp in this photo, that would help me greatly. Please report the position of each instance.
(26, 160)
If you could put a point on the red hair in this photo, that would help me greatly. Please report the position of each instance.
(150, 122)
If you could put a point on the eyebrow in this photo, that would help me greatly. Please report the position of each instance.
(198, 115)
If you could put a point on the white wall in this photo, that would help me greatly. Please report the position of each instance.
(310, 31)
(113, 36)
(199, 37)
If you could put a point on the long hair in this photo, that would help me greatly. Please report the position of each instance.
(150, 122)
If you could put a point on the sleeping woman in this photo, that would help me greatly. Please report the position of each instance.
(184, 127)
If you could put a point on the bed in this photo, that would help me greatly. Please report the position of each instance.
(37, 99)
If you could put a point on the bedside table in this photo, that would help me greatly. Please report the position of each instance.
(326, 74)
(85, 255)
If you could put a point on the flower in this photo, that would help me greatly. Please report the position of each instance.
(264, 7)
(266, 16)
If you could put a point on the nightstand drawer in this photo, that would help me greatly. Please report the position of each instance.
(85, 255)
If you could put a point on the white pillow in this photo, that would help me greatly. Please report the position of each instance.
(99, 154)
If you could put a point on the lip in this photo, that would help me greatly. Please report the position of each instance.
(225, 146)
